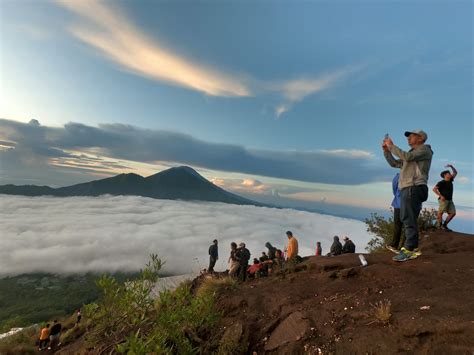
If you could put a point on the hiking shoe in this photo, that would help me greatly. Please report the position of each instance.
(405, 255)
(392, 249)
(446, 229)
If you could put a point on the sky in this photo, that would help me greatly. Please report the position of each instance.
(118, 233)
(283, 102)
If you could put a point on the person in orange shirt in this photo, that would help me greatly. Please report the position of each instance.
(44, 337)
(292, 249)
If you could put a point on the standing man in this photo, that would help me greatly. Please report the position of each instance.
(213, 256)
(54, 335)
(243, 255)
(415, 167)
(292, 249)
(444, 190)
(394, 246)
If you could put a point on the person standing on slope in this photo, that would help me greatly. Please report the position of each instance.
(213, 256)
(444, 190)
(394, 246)
(414, 168)
(292, 249)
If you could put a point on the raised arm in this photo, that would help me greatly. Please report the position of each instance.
(394, 163)
(414, 155)
(455, 172)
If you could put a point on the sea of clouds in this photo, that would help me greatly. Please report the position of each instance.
(118, 233)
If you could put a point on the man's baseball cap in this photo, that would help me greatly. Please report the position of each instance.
(419, 132)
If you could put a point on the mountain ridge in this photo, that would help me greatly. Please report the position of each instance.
(177, 183)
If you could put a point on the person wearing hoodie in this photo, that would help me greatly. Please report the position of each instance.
(271, 250)
(414, 168)
(336, 247)
(397, 222)
(349, 246)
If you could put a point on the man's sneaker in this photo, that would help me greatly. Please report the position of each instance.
(445, 228)
(417, 251)
(392, 249)
(405, 255)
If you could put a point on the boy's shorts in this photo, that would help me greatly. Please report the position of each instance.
(447, 206)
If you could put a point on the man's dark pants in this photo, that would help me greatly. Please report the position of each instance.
(212, 263)
(411, 200)
(243, 271)
(397, 230)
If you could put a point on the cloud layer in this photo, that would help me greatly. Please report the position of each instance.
(35, 144)
(81, 234)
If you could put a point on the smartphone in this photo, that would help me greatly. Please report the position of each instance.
(386, 136)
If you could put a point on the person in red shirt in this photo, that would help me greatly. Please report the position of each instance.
(319, 250)
(254, 268)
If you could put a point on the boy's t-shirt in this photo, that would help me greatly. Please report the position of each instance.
(445, 188)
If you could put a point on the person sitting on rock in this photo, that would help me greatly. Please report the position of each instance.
(349, 246)
(336, 247)
(254, 269)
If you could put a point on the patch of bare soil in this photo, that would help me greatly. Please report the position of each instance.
(334, 305)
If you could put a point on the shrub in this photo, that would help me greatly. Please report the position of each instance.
(214, 286)
(382, 228)
(130, 321)
(382, 311)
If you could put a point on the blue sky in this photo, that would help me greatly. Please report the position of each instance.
(301, 92)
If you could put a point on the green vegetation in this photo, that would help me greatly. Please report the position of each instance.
(34, 298)
(383, 228)
(127, 319)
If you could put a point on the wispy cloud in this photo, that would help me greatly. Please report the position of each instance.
(109, 31)
(296, 90)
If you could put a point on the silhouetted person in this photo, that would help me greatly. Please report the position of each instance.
(271, 250)
(243, 255)
(213, 256)
(349, 246)
(54, 335)
(336, 247)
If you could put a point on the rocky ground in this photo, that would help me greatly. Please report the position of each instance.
(329, 305)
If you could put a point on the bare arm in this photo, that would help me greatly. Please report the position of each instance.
(436, 191)
(455, 172)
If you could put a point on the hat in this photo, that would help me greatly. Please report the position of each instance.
(345, 238)
(418, 132)
(444, 173)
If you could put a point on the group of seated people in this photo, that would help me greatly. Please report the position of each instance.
(337, 248)
(267, 262)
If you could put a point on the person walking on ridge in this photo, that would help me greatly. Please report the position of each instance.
(213, 256)
(444, 190)
(414, 168)
(394, 246)
(44, 337)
